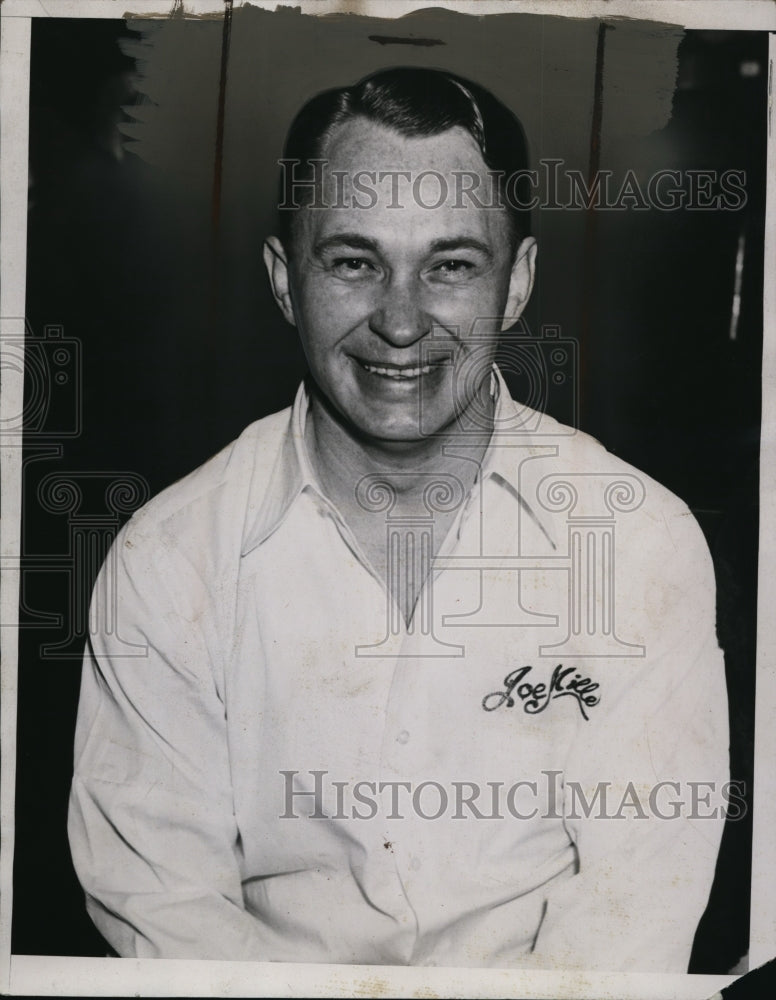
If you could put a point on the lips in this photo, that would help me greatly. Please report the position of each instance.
(397, 373)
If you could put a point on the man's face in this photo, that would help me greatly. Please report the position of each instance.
(399, 305)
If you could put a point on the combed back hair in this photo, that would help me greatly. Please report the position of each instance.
(415, 103)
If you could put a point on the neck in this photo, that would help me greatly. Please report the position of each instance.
(341, 457)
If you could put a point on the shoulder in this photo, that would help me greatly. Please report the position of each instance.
(204, 512)
(653, 525)
(582, 457)
(615, 520)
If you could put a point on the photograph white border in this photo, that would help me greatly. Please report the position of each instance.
(46, 975)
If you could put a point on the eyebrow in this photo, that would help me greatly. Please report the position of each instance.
(339, 240)
(461, 243)
(356, 241)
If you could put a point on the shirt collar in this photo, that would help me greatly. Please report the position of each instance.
(518, 435)
(514, 424)
(270, 500)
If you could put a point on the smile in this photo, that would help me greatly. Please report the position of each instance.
(395, 371)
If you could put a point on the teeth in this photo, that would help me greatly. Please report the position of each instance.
(398, 373)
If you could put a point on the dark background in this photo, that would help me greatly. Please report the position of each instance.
(153, 340)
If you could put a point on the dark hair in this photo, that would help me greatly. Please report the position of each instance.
(413, 102)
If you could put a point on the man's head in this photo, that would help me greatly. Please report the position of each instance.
(414, 103)
(403, 250)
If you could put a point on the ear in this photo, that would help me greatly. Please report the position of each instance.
(521, 281)
(276, 262)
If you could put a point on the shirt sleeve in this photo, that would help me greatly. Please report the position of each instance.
(151, 822)
(652, 773)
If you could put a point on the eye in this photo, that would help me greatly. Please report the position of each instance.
(454, 265)
(352, 267)
(452, 269)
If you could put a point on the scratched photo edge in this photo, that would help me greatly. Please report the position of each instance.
(96, 976)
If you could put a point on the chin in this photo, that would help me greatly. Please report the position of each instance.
(400, 433)
(385, 435)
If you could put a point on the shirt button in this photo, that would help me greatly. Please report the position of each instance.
(403, 737)
(415, 864)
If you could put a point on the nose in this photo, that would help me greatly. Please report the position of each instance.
(399, 317)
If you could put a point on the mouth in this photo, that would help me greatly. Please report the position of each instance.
(397, 373)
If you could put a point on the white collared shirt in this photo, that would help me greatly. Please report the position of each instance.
(272, 765)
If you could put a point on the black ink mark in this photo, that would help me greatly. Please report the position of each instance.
(397, 40)
(219, 155)
(591, 221)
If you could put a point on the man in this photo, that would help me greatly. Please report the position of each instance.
(409, 673)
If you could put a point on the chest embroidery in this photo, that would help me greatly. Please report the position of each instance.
(566, 682)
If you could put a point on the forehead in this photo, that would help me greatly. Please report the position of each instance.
(404, 190)
(361, 144)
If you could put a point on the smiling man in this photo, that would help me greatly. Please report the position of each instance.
(369, 689)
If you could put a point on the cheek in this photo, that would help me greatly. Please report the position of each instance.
(471, 309)
(332, 309)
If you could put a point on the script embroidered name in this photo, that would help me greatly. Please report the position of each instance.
(565, 682)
